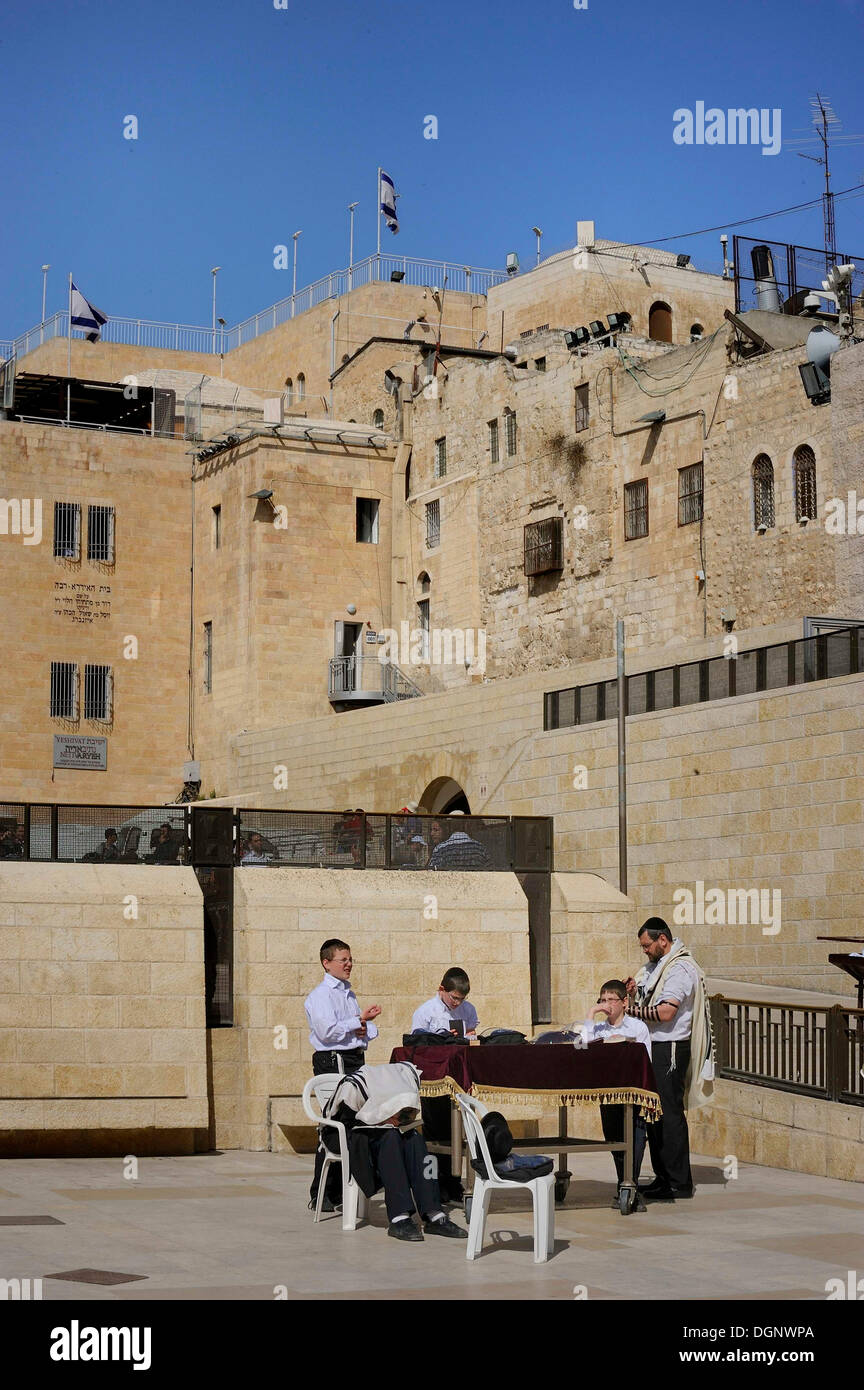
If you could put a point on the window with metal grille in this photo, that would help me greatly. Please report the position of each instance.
(510, 431)
(367, 520)
(301, 387)
(67, 530)
(583, 397)
(544, 545)
(690, 493)
(433, 524)
(100, 534)
(493, 441)
(763, 491)
(378, 419)
(64, 690)
(208, 658)
(97, 692)
(636, 510)
(541, 328)
(539, 364)
(805, 483)
(217, 528)
(441, 457)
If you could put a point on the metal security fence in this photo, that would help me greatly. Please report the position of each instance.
(95, 834)
(364, 840)
(815, 1052)
(798, 270)
(822, 657)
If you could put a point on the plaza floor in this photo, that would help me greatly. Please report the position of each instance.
(234, 1225)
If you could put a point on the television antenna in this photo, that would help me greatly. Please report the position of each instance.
(826, 125)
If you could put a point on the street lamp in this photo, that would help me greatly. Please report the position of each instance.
(215, 270)
(538, 233)
(45, 270)
(351, 207)
(294, 285)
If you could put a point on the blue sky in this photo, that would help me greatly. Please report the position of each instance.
(254, 122)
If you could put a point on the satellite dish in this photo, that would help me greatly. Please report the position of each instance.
(821, 345)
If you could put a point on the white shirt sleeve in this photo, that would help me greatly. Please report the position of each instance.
(333, 1031)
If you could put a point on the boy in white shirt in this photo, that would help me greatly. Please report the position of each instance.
(438, 1015)
(608, 1021)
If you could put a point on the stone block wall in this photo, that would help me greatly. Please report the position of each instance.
(102, 1024)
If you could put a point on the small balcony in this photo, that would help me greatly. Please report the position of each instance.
(357, 681)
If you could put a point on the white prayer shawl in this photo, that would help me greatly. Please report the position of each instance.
(376, 1094)
(699, 1083)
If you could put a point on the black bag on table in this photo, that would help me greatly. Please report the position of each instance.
(501, 1036)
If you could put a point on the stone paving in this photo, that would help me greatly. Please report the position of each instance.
(234, 1225)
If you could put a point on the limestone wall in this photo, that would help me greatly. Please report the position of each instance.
(102, 1032)
(400, 955)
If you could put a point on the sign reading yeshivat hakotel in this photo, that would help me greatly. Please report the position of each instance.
(79, 751)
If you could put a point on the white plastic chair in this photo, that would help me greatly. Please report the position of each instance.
(542, 1189)
(316, 1093)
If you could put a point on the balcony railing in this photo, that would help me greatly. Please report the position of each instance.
(811, 1051)
(360, 679)
(181, 337)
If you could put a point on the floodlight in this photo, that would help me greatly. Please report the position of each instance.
(397, 275)
(619, 323)
(681, 261)
(598, 329)
(577, 337)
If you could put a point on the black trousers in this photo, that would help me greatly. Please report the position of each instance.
(668, 1137)
(352, 1060)
(404, 1168)
(436, 1115)
(612, 1120)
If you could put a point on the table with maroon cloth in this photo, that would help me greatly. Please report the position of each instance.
(599, 1074)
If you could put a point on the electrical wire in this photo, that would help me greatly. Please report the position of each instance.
(743, 221)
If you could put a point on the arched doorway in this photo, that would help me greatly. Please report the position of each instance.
(444, 795)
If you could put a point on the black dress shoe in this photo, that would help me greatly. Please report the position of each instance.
(658, 1185)
(445, 1228)
(684, 1191)
(664, 1193)
(404, 1230)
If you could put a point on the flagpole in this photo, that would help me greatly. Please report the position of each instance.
(378, 206)
(69, 359)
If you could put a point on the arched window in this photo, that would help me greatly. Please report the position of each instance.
(424, 583)
(301, 387)
(763, 491)
(696, 332)
(660, 322)
(378, 419)
(805, 483)
(289, 390)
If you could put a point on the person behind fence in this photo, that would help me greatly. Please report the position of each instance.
(108, 851)
(669, 995)
(164, 850)
(379, 1107)
(340, 1032)
(255, 851)
(608, 1021)
(459, 851)
(438, 1015)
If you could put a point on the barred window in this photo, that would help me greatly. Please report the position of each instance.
(64, 690)
(441, 457)
(423, 619)
(510, 431)
(763, 492)
(289, 391)
(433, 524)
(544, 545)
(67, 530)
(301, 387)
(582, 407)
(805, 483)
(208, 658)
(493, 441)
(690, 493)
(97, 692)
(636, 510)
(100, 534)
(539, 364)
(378, 419)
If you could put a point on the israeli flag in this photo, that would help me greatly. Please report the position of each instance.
(85, 317)
(388, 202)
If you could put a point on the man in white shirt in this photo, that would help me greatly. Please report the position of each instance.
(339, 1031)
(438, 1015)
(608, 1021)
(663, 995)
